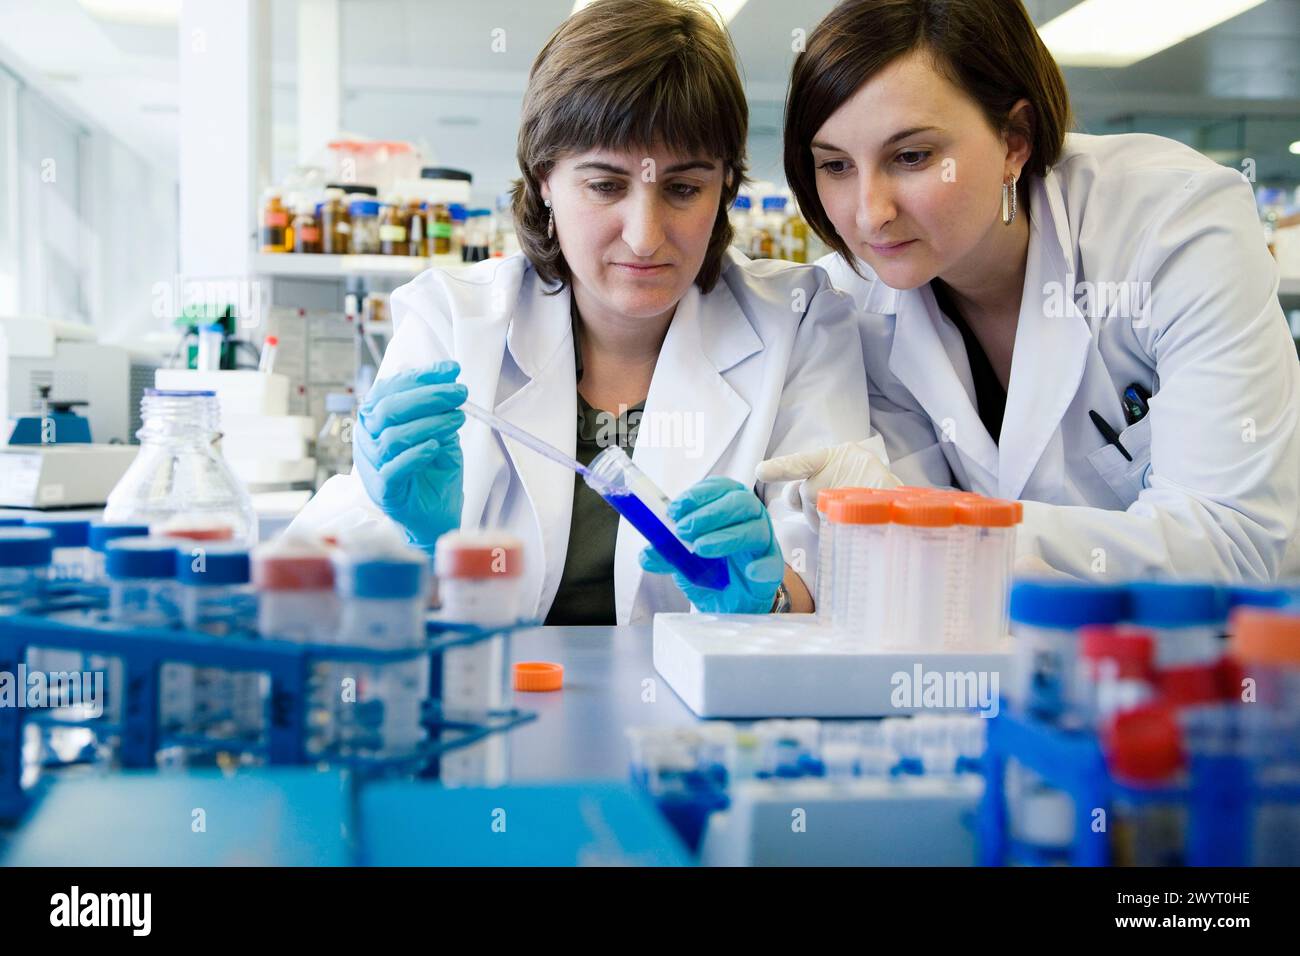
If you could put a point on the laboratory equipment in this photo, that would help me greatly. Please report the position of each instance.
(382, 590)
(294, 578)
(765, 665)
(986, 535)
(61, 476)
(883, 792)
(180, 476)
(153, 720)
(306, 229)
(1045, 617)
(266, 360)
(71, 546)
(110, 379)
(335, 223)
(440, 230)
(25, 558)
(334, 443)
(1187, 619)
(929, 574)
(275, 222)
(54, 422)
(742, 222)
(211, 339)
(1144, 751)
(633, 495)
(393, 224)
(629, 492)
(365, 226)
(825, 546)
(479, 578)
(527, 439)
(215, 597)
(142, 582)
(1267, 645)
(478, 235)
(916, 568)
(98, 538)
(860, 586)
(1117, 672)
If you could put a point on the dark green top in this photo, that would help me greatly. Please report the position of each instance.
(990, 396)
(586, 593)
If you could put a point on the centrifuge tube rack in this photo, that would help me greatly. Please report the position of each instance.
(763, 665)
(1217, 796)
(73, 619)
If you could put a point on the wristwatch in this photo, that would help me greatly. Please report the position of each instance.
(781, 602)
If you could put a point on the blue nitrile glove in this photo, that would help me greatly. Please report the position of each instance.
(408, 451)
(721, 518)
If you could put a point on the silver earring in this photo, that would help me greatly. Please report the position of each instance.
(1009, 201)
(550, 219)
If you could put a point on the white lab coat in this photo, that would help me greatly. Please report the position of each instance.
(767, 363)
(1213, 487)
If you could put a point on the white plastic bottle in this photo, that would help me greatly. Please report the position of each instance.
(479, 573)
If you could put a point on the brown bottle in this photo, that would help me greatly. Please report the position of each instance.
(416, 214)
(335, 224)
(393, 223)
(440, 230)
(275, 223)
(306, 230)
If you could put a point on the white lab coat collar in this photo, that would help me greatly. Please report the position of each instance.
(1050, 351)
(1047, 366)
(688, 398)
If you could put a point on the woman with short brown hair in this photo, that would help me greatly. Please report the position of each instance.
(627, 316)
(1087, 323)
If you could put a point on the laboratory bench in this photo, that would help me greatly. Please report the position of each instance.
(610, 684)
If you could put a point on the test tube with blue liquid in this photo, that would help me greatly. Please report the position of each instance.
(629, 492)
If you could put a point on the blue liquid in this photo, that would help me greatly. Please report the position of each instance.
(703, 572)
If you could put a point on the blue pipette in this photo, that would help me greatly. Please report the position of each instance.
(528, 439)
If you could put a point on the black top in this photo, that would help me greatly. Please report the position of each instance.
(990, 396)
(586, 592)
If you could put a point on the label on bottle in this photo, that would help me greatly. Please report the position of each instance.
(392, 233)
(309, 233)
(440, 230)
(276, 220)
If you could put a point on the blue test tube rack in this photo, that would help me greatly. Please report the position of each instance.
(72, 617)
(1218, 794)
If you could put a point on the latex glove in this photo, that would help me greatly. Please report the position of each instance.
(851, 465)
(408, 450)
(721, 518)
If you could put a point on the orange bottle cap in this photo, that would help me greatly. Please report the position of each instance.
(861, 510)
(925, 511)
(217, 532)
(538, 676)
(987, 512)
(1265, 636)
(293, 573)
(468, 554)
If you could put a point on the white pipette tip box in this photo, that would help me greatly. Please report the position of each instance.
(746, 666)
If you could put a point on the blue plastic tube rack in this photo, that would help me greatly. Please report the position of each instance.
(73, 618)
(1219, 796)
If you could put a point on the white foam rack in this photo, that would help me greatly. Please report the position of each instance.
(743, 666)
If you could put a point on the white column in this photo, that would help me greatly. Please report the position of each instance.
(320, 84)
(224, 132)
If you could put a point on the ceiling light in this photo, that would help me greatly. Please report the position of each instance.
(724, 11)
(1117, 33)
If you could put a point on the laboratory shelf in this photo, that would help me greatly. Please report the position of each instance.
(294, 265)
